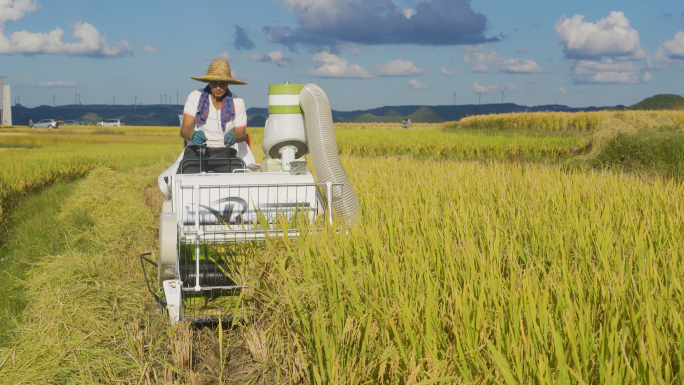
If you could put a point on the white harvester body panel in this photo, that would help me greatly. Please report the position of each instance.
(241, 206)
(174, 303)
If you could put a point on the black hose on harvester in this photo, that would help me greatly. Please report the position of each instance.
(147, 281)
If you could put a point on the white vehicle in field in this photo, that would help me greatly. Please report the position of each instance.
(111, 122)
(216, 200)
(46, 123)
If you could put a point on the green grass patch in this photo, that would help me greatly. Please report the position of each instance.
(106, 131)
(33, 235)
(17, 145)
(659, 152)
(80, 312)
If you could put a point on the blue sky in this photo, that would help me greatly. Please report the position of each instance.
(362, 53)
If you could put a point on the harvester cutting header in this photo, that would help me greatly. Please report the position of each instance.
(215, 197)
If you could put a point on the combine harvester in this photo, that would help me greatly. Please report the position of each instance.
(214, 201)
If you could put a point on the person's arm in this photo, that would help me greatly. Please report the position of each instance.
(240, 134)
(240, 121)
(186, 127)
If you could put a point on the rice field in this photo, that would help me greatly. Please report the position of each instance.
(33, 159)
(479, 259)
(553, 121)
(466, 145)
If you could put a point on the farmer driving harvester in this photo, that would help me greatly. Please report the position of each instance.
(218, 195)
(213, 117)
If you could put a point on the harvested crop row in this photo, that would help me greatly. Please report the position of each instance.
(40, 160)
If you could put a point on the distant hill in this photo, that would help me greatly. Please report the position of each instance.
(167, 115)
(424, 115)
(366, 118)
(421, 115)
(152, 115)
(257, 121)
(453, 113)
(391, 117)
(660, 102)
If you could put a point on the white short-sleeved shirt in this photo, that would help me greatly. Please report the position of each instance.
(212, 127)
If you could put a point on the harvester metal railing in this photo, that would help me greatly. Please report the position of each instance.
(277, 208)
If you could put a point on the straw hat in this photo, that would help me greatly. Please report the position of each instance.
(218, 70)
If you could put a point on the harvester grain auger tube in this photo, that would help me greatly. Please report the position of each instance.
(325, 158)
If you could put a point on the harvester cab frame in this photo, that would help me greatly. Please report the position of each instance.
(216, 201)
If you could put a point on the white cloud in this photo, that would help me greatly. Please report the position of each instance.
(483, 68)
(417, 85)
(149, 49)
(563, 90)
(491, 88)
(324, 23)
(482, 61)
(446, 71)
(354, 49)
(659, 61)
(488, 89)
(57, 84)
(612, 37)
(609, 72)
(532, 81)
(16, 9)
(398, 67)
(223, 55)
(333, 66)
(509, 86)
(408, 12)
(520, 66)
(675, 47)
(91, 43)
(274, 57)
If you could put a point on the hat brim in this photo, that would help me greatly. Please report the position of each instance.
(209, 78)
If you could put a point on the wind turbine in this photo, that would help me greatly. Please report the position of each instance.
(502, 93)
(480, 98)
(455, 92)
